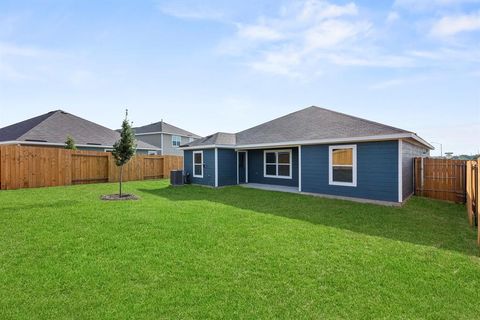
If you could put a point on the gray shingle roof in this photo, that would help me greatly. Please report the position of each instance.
(55, 126)
(219, 138)
(162, 126)
(312, 123)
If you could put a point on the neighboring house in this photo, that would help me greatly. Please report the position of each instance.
(52, 128)
(313, 150)
(166, 137)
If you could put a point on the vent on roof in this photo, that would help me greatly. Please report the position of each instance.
(94, 144)
(35, 140)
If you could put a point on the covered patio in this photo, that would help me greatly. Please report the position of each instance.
(270, 187)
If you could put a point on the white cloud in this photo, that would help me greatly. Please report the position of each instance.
(451, 25)
(319, 10)
(258, 32)
(29, 63)
(303, 35)
(392, 17)
(184, 10)
(400, 81)
(8, 49)
(420, 5)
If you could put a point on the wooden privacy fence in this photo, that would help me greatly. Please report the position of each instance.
(473, 194)
(32, 167)
(451, 180)
(441, 179)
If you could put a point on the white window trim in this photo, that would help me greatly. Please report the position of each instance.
(152, 153)
(354, 165)
(265, 175)
(173, 145)
(193, 160)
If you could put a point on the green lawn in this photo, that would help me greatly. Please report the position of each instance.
(194, 252)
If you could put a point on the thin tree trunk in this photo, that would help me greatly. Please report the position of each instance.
(121, 177)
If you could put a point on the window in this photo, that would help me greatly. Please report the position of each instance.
(176, 141)
(198, 164)
(278, 164)
(108, 150)
(152, 153)
(190, 139)
(343, 165)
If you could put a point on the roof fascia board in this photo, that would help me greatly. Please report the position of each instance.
(316, 141)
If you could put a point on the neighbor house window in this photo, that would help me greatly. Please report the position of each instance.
(198, 164)
(176, 141)
(152, 153)
(343, 165)
(278, 164)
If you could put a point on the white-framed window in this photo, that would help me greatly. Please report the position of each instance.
(152, 153)
(342, 165)
(277, 164)
(198, 164)
(176, 141)
(108, 150)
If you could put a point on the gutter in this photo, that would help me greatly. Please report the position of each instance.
(317, 141)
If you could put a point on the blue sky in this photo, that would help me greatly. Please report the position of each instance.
(212, 66)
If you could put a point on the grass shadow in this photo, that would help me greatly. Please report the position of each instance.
(421, 221)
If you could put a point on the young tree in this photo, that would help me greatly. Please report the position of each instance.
(70, 143)
(124, 149)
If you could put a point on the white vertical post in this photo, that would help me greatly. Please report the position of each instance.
(299, 168)
(161, 144)
(400, 173)
(216, 167)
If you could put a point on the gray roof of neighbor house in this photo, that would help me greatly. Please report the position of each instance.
(54, 127)
(219, 138)
(164, 127)
(309, 124)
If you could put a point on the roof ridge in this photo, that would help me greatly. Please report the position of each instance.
(281, 117)
(363, 119)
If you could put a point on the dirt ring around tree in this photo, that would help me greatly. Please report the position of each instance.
(116, 197)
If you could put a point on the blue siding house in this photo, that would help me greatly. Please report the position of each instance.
(312, 151)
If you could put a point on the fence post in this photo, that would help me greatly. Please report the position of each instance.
(422, 173)
(477, 202)
(469, 192)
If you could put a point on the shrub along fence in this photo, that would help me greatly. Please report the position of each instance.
(451, 180)
(33, 167)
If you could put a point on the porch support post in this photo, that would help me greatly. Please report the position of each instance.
(216, 167)
(300, 168)
(400, 173)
